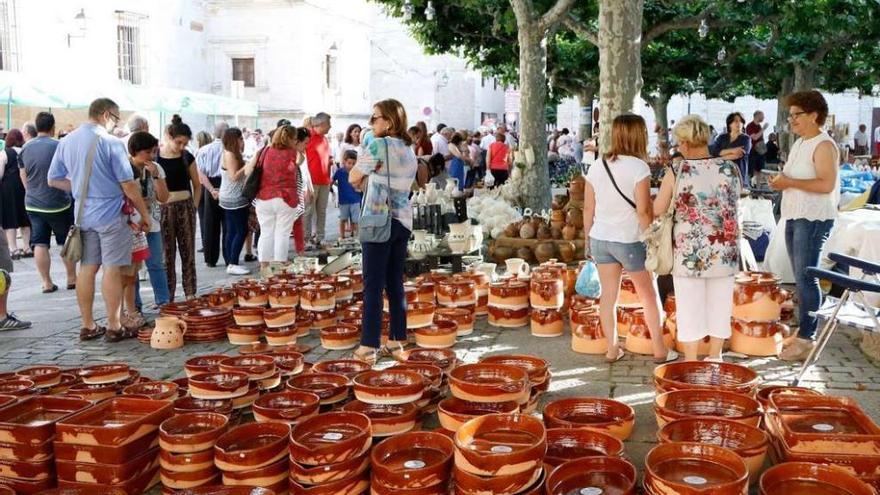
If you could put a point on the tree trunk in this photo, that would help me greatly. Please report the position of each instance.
(660, 105)
(783, 133)
(620, 61)
(804, 77)
(585, 99)
(532, 133)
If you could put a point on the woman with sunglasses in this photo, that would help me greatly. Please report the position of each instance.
(385, 170)
(811, 191)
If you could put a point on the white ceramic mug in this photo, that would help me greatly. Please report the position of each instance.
(517, 267)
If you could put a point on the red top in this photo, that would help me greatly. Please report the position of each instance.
(752, 128)
(318, 156)
(279, 176)
(498, 152)
(424, 147)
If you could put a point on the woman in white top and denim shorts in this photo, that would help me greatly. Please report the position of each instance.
(617, 207)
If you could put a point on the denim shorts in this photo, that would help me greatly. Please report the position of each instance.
(44, 225)
(629, 254)
(350, 211)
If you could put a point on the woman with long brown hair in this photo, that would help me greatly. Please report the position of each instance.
(385, 171)
(236, 207)
(617, 208)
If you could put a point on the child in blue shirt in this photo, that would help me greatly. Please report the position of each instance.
(349, 199)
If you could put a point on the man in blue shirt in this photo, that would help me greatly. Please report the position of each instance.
(106, 235)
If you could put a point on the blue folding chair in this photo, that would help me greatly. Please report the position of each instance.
(852, 288)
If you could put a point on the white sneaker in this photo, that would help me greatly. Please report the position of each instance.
(237, 270)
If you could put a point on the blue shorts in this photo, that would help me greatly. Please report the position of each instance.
(45, 225)
(351, 211)
(629, 254)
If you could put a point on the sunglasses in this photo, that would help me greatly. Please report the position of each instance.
(374, 118)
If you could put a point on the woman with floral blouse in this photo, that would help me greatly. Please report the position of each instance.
(705, 238)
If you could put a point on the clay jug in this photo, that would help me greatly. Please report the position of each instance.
(567, 251)
(544, 251)
(168, 333)
(569, 232)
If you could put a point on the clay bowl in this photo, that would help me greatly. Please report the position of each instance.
(185, 405)
(680, 404)
(203, 364)
(454, 412)
(537, 368)
(32, 421)
(42, 376)
(279, 317)
(272, 475)
(93, 393)
(330, 438)
(248, 316)
(470, 484)
(460, 316)
(565, 444)
(242, 335)
(593, 475)
(433, 374)
(803, 478)
(113, 422)
(388, 386)
(256, 366)
(153, 390)
(747, 441)
(821, 424)
(500, 444)
(286, 407)
(349, 368)
(283, 295)
(252, 295)
(694, 468)
(172, 480)
(353, 485)
(442, 358)
(289, 362)
(202, 461)
(246, 400)
(304, 322)
(106, 474)
(228, 490)
(684, 375)
(329, 387)
(251, 446)
(282, 336)
(26, 452)
(764, 393)
(104, 373)
(376, 488)
(317, 297)
(386, 419)
(328, 473)
(439, 335)
(18, 387)
(489, 383)
(192, 432)
(340, 337)
(412, 460)
(595, 413)
(220, 385)
(67, 380)
(419, 314)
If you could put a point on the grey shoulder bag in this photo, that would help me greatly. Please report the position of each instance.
(375, 226)
(73, 248)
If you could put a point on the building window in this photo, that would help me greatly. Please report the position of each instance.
(8, 36)
(243, 70)
(130, 46)
(330, 71)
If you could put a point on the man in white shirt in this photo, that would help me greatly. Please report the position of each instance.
(438, 141)
(860, 140)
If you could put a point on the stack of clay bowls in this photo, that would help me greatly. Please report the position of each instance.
(435, 385)
(421, 314)
(593, 475)
(687, 375)
(811, 478)
(758, 300)
(693, 469)
(340, 336)
(207, 324)
(587, 334)
(825, 430)
(262, 371)
(441, 334)
(509, 303)
(389, 398)
(27, 430)
(566, 444)
(501, 454)
(414, 462)
(490, 382)
(459, 291)
(99, 382)
(547, 298)
(330, 453)
(235, 387)
(462, 317)
(286, 407)
(680, 404)
(254, 455)
(357, 282)
(595, 413)
(186, 450)
(111, 445)
(631, 323)
(537, 370)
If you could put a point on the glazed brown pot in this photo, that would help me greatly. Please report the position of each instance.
(32, 421)
(589, 337)
(565, 444)
(508, 318)
(243, 335)
(330, 438)
(221, 298)
(821, 424)
(442, 358)
(191, 404)
(93, 393)
(340, 337)
(439, 335)
(758, 338)
(256, 366)
(275, 474)
(545, 251)
(187, 463)
(386, 419)
(104, 373)
(456, 292)
(279, 317)
(251, 446)
(802, 478)
(328, 473)
(113, 422)
(680, 404)
(593, 475)
(203, 364)
(330, 387)
(419, 314)
(248, 316)
(454, 412)
(547, 323)
(546, 291)
(42, 376)
(511, 294)
(758, 297)
(471, 484)
(605, 415)
(252, 295)
(358, 484)
(286, 407)
(283, 295)
(220, 385)
(228, 490)
(763, 394)
(500, 445)
(317, 297)
(433, 374)
(695, 469)
(281, 336)
(106, 474)
(489, 383)
(153, 390)
(412, 460)
(388, 386)
(463, 318)
(685, 375)
(192, 432)
(747, 441)
(348, 367)
(537, 368)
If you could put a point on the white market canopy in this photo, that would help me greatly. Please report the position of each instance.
(18, 89)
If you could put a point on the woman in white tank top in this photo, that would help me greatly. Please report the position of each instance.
(811, 189)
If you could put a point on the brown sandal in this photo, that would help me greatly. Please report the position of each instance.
(367, 355)
(91, 333)
(118, 335)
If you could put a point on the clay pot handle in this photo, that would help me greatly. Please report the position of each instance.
(292, 413)
(182, 325)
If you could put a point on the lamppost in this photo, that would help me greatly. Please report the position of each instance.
(80, 20)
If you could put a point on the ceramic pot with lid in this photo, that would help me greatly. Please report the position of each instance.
(628, 295)
(758, 338)
(283, 295)
(419, 314)
(509, 294)
(547, 322)
(638, 336)
(757, 296)
(508, 318)
(547, 291)
(456, 292)
(588, 337)
(318, 297)
(252, 294)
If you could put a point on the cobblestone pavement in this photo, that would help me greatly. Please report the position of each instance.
(843, 370)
